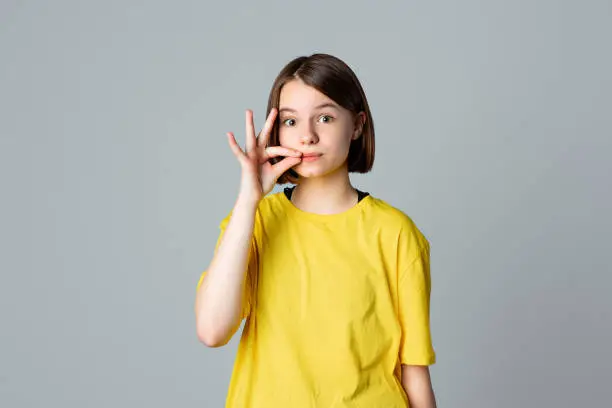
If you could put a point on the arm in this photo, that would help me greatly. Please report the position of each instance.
(219, 300)
(417, 384)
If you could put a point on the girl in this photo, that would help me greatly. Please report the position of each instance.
(334, 283)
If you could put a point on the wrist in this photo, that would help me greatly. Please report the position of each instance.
(246, 203)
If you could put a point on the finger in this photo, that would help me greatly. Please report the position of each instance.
(274, 151)
(234, 146)
(267, 129)
(284, 165)
(251, 142)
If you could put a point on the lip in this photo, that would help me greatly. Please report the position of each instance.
(310, 156)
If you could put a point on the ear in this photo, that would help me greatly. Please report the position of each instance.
(359, 122)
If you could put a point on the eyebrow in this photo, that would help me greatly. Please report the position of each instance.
(323, 105)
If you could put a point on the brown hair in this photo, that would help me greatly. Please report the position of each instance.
(335, 79)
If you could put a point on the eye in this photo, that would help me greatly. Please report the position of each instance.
(286, 122)
(326, 118)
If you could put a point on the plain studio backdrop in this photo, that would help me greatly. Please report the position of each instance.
(493, 126)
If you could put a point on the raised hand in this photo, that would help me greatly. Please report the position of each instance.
(258, 174)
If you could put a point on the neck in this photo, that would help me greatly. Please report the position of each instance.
(329, 194)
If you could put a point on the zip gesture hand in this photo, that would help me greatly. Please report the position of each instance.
(259, 175)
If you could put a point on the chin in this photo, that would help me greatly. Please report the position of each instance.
(308, 173)
(307, 170)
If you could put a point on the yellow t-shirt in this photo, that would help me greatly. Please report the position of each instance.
(334, 304)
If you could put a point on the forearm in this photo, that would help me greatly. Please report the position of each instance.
(219, 299)
(416, 381)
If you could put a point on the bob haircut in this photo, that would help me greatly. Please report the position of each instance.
(335, 79)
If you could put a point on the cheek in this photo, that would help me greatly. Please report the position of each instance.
(288, 137)
(282, 138)
(342, 140)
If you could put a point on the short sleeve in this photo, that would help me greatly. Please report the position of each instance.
(414, 289)
(251, 271)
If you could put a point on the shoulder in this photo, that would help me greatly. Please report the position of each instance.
(391, 215)
(271, 202)
(268, 207)
(271, 206)
(400, 224)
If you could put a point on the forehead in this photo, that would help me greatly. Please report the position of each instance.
(297, 95)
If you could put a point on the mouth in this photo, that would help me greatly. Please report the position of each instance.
(310, 157)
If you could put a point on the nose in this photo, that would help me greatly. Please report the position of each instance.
(309, 137)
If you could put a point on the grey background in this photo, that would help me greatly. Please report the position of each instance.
(493, 133)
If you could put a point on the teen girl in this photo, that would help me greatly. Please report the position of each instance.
(333, 282)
